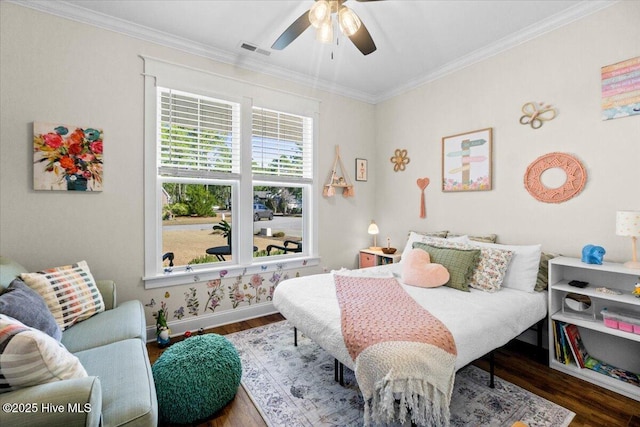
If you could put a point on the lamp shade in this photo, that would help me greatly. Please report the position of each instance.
(373, 228)
(628, 223)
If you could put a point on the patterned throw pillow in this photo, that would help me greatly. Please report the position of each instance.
(69, 291)
(489, 273)
(459, 262)
(523, 268)
(29, 357)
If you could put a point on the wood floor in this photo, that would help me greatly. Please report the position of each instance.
(594, 406)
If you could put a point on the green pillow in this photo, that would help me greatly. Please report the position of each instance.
(459, 262)
(543, 271)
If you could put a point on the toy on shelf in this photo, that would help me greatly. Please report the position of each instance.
(636, 289)
(592, 254)
(336, 181)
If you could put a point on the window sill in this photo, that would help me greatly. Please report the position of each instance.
(203, 274)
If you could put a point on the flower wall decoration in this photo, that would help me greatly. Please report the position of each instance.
(67, 157)
(400, 160)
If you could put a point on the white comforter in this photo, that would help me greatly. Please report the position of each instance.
(479, 321)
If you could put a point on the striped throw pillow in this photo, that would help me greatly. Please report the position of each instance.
(69, 291)
(30, 357)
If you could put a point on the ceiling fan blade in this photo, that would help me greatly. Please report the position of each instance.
(292, 33)
(363, 41)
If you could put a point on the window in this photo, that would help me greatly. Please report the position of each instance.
(229, 175)
(282, 146)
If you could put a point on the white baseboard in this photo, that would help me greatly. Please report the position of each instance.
(212, 320)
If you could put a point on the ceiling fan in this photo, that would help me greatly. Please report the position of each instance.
(320, 16)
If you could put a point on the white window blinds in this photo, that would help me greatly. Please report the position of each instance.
(282, 145)
(199, 136)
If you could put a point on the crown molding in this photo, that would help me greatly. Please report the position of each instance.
(86, 16)
(554, 22)
(79, 14)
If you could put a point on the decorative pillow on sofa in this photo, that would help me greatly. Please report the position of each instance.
(29, 357)
(523, 269)
(459, 262)
(417, 270)
(69, 291)
(27, 306)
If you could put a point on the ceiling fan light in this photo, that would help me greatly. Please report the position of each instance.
(349, 21)
(319, 13)
(324, 33)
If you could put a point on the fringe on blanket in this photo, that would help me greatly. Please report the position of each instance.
(425, 405)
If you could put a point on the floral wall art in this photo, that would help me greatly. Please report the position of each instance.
(224, 293)
(67, 158)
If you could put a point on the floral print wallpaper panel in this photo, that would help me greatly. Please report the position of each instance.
(67, 158)
(221, 294)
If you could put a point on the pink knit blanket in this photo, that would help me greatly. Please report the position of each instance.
(404, 357)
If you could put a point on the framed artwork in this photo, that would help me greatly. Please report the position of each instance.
(67, 158)
(620, 89)
(466, 161)
(362, 170)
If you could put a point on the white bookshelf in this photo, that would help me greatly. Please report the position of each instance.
(613, 346)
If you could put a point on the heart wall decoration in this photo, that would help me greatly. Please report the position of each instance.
(422, 184)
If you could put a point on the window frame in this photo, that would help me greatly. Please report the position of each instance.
(163, 74)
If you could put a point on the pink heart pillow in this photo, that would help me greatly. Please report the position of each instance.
(417, 270)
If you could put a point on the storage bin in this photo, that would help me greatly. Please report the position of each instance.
(627, 321)
(610, 319)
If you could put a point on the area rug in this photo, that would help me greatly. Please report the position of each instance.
(294, 386)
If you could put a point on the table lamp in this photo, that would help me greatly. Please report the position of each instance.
(373, 229)
(628, 224)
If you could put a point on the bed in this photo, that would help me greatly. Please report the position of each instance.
(479, 321)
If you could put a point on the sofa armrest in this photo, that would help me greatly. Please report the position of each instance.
(69, 403)
(108, 290)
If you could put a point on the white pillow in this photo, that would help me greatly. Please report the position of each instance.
(417, 237)
(30, 357)
(522, 271)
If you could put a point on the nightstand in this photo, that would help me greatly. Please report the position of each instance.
(371, 258)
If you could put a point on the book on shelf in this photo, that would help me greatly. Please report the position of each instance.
(569, 346)
(612, 371)
(578, 349)
(563, 351)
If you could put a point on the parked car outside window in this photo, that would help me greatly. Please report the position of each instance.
(261, 211)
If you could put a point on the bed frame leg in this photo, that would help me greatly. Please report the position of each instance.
(492, 367)
(295, 336)
(539, 328)
(338, 372)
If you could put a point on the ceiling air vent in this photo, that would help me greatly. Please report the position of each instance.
(254, 48)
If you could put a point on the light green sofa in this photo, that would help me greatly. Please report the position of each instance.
(111, 347)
